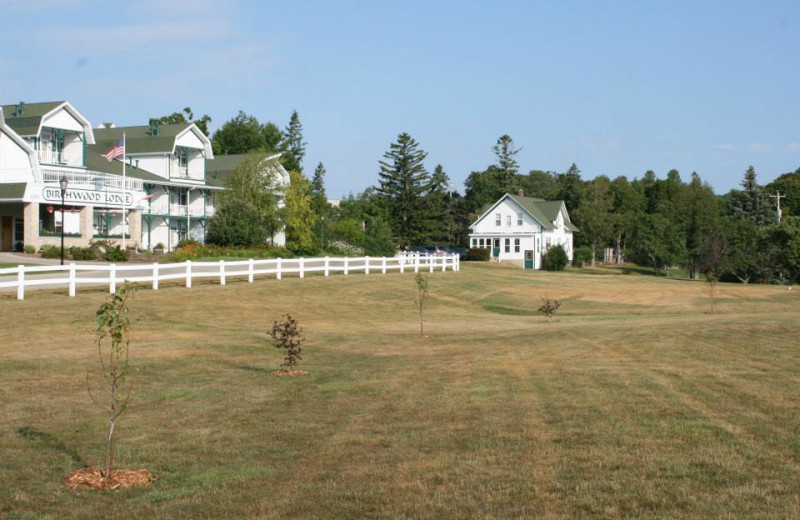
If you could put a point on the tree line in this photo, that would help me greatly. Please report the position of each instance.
(651, 221)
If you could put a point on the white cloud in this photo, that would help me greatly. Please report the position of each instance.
(760, 147)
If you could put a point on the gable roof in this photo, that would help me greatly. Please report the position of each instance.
(545, 212)
(139, 141)
(29, 121)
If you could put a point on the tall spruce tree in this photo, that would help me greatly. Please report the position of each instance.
(436, 205)
(293, 146)
(507, 168)
(319, 197)
(752, 203)
(403, 182)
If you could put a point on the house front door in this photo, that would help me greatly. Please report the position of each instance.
(8, 233)
(496, 248)
(529, 259)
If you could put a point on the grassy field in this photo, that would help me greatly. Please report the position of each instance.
(641, 399)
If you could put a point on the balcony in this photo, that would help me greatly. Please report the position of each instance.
(90, 180)
(176, 210)
(58, 158)
(178, 171)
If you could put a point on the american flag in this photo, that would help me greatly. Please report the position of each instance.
(118, 150)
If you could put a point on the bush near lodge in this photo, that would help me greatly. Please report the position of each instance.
(478, 254)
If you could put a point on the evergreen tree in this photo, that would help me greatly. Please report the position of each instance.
(752, 203)
(403, 183)
(570, 186)
(320, 198)
(435, 207)
(594, 217)
(506, 169)
(293, 146)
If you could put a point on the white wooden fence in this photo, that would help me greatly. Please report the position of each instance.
(74, 275)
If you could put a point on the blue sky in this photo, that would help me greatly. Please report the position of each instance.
(618, 87)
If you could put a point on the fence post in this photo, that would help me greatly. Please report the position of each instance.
(416, 263)
(250, 271)
(155, 276)
(366, 265)
(383, 265)
(21, 282)
(222, 272)
(402, 261)
(188, 274)
(72, 280)
(444, 263)
(347, 265)
(431, 262)
(278, 269)
(302, 267)
(327, 266)
(112, 279)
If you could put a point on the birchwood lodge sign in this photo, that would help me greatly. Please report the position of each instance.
(108, 198)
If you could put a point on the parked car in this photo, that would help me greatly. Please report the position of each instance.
(428, 250)
(460, 251)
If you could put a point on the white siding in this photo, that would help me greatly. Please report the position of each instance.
(15, 164)
(62, 119)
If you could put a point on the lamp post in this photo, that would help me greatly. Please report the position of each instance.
(63, 183)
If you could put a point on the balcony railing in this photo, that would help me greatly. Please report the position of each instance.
(182, 172)
(90, 180)
(53, 157)
(177, 210)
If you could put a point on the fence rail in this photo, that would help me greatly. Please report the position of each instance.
(73, 276)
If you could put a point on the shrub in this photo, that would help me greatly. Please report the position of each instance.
(479, 254)
(49, 251)
(582, 256)
(82, 253)
(115, 254)
(549, 307)
(29, 249)
(555, 259)
(288, 336)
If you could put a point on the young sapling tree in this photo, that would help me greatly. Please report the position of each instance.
(549, 307)
(113, 348)
(420, 296)
(289, 337)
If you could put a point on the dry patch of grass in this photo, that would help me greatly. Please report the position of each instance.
(634, 402)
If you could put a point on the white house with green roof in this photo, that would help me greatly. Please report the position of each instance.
(41, 144)
(521, 229)
(169, 161)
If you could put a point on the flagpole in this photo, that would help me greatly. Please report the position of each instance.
(124, 195)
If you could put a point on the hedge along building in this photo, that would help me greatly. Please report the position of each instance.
(521, 229)
(170, 162)
(41, 143)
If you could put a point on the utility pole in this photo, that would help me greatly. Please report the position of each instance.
(778, 198)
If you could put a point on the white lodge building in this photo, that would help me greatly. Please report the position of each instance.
(166, 191)
(41, 143)
(521, 230)
(169, 162)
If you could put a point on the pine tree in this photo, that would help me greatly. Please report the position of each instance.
(436, 205)
(293, 146)
(752, 202)
(506, 168)
(403, 183)
(320, 198)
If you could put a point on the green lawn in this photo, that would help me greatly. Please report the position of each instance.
(643, 398)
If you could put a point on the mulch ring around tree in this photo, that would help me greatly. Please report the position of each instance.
(93, 478)
(290, 373)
